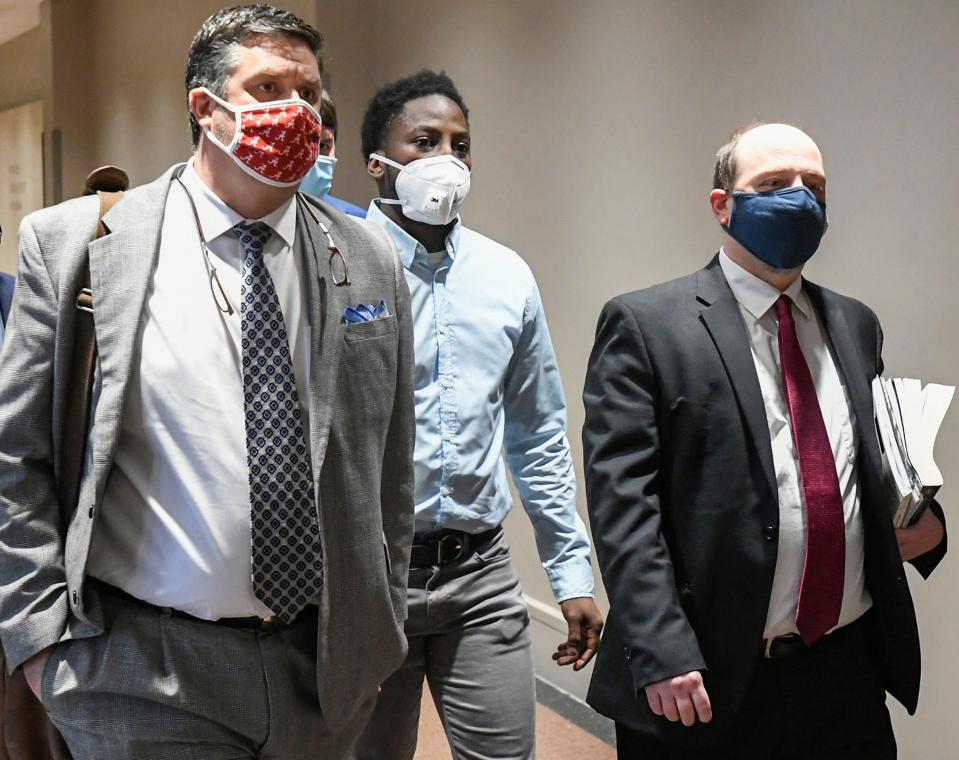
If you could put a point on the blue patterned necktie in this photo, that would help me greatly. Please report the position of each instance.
(287, 561)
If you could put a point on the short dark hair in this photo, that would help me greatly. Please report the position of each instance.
(724, 172)
(213, 53)
(328, 113)
(390, 99)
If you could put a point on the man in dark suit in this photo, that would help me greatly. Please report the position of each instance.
(6, 297)
(759, 606)
(7, 282)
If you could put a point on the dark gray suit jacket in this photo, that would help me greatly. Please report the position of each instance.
(361, 431)
(683, 500)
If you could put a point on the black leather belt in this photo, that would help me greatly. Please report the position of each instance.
(792, 645)
(783, 647)
(264, 625)
(447, 546)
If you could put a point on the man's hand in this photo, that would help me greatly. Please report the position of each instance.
(585, 624)
(919, 538)
(33, 670)
(681, 697)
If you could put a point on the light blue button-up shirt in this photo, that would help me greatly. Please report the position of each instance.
(487, 383)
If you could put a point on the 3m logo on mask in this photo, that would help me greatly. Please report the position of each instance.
(429, 190)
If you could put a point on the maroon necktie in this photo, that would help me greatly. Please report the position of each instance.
(820, 593)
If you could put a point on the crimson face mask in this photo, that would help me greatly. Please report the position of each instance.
(276, 142)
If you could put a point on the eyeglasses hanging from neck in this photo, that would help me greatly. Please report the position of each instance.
(339, 270)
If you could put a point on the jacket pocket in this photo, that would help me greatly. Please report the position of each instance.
(386, 556)
(687, 600)
(367, 330)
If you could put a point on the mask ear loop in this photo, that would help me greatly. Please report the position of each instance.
(337, 260)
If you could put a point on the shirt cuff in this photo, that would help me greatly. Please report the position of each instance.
(571, 580)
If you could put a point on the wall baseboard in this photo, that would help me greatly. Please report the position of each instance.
(575, 711)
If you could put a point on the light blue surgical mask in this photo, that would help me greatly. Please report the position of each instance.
(319, 179)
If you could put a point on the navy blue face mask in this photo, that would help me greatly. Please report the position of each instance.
(781, 227)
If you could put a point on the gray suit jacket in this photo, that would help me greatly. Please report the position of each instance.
(361, 431)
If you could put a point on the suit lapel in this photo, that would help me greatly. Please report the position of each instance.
(121, 271)
(851, 370)
(720, 314)
(326, 304)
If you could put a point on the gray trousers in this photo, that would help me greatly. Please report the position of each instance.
(155, 686)
(468, 631)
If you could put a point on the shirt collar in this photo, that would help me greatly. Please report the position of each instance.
(216, 218)
(757, 296)
(409, 247)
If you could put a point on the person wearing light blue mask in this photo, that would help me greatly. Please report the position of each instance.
(758, 605)
(319, 180)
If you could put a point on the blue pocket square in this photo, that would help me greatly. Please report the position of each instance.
(365, 312)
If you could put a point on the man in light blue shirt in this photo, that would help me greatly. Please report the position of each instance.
(486, 384)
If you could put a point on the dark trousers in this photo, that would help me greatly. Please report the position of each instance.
(826, 703)
(26, 732)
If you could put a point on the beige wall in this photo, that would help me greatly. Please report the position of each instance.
(594, 128)
(21, 69)
(21, 173)
(24, 70)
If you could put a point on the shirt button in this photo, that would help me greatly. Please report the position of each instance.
(90, 513)
(445, 491)
(448, 436)
(76, 598)
(441, 329)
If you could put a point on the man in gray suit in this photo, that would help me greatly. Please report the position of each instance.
(232, 582)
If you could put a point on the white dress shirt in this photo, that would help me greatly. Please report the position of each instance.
(756, 299)
(174, 528)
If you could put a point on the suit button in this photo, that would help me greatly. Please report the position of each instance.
(76, 598)
(627, 653)
(769, 533)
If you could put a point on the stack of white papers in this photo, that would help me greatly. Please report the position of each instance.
(908, 417)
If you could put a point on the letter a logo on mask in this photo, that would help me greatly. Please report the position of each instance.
(267, 139)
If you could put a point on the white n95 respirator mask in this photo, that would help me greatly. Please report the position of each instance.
(429, 190)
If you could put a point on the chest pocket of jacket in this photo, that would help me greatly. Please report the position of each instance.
(360, 331)
(367, 373)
